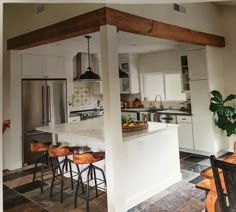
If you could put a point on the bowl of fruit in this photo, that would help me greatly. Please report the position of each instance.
(129, 125)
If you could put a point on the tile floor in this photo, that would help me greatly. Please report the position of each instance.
(20, 194)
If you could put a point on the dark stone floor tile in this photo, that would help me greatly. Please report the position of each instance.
(169, 203)
(5, 187)
(195, 158)
(196, 180)
(196, 168)
(28, 187)
(205, 162)
(185, 164)
(183, 155)
(14, 176)
(192, 206)
(27, 207)
(187, 192)
(201, 197)
(13, 202)
(9, 193)
(140, 207)
(31, 170)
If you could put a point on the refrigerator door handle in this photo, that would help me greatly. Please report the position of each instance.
(49, 104)
(43, 105)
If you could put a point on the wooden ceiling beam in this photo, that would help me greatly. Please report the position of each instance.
(90, 22)
(80, 25)
(144, 26)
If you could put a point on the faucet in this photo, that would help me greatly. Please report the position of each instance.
(161, 105)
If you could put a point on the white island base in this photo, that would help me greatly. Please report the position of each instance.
(152, 154)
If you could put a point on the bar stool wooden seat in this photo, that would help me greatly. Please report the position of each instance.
(89, 158)
(37, 146)
(62, 166)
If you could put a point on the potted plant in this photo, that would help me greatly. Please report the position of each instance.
(224, 111)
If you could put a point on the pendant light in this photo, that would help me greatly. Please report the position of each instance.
(89, 75)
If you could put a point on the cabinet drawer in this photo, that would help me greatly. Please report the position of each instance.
(184, 119)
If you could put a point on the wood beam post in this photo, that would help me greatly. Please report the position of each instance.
(114, 147)
(139, 25)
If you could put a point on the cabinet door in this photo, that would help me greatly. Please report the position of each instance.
(32, 66)
(133, 75)
(54, 67)
(197, 64)
(124, 86)
(185, 136)
(202, 117)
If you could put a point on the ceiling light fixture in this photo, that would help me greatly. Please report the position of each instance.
(89, 75)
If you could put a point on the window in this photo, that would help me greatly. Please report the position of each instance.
(168, 85)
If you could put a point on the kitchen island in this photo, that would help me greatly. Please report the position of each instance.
(152, 154)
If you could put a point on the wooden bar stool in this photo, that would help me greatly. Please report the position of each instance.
(55, 153)
(36, 146)
(89, 158)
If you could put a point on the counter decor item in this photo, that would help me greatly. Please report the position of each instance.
(136, 103)
(224, 111)
(129, 125)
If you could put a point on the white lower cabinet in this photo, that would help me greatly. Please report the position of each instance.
(185, 132)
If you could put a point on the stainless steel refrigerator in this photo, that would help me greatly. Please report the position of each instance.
(43, 103)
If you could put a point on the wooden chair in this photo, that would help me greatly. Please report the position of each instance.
(225, 183)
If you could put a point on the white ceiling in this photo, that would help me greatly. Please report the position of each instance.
(127, 43)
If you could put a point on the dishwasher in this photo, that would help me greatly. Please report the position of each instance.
(185, 132)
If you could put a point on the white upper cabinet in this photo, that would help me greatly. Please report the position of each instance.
(197, 64)
(39, 66)
(32, 66)
(54, 67)
(128, 63)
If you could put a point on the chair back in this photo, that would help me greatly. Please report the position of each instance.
(228, 187)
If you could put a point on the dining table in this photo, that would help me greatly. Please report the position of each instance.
(208, 184)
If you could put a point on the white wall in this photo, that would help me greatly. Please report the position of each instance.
(229, 19)
(163, 61)
(200, 16)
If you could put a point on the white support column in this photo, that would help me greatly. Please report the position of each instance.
(1, 103)
(14, 145)
(114, 147)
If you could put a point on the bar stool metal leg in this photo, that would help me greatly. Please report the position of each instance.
(77, 186)
(95, 180)
(87, 199)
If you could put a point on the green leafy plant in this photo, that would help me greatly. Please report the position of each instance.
(224, 112)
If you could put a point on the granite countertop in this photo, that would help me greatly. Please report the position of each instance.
(157, 110)
(93, 129)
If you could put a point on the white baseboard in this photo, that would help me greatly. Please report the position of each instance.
(14, 166)
(217, 154)
(135, 200)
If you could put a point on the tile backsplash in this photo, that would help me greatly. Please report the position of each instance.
(81, 96)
